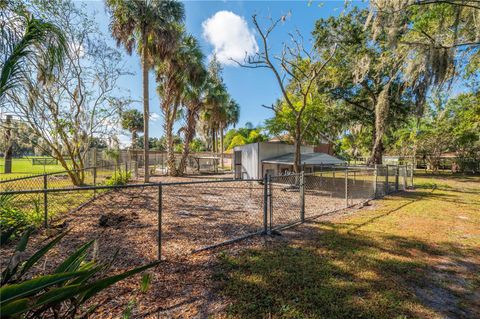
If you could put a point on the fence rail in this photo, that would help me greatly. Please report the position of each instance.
(181, 217)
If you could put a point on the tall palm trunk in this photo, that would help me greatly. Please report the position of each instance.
(221, 146)
(214, 142)
(171, 165)
(146, 109)
(134, 139)
(189, 133)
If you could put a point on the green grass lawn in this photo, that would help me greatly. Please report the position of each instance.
(411, 255)
(24, 166)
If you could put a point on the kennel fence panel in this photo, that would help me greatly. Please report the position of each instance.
(202, 214)
(361, 187)
(323, 194)
(285, 200)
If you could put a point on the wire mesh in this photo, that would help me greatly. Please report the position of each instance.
(198, 214)
(285, 200)
(323, 193)
(209, 213)
(392, 178)
(90, 176)
(360, 185)
(123, 219)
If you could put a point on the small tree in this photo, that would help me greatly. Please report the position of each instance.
(79, 104)
(296, 68)
(132, 120)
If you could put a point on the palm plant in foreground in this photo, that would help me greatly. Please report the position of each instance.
(27, 42)
(153, 27)
(60, 294)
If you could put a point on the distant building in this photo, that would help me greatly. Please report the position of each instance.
(253, 161)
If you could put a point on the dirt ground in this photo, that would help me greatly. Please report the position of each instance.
(193, 217)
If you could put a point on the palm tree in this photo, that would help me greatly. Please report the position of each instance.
(194, 97)
(230, 116)
(132, 120)
(37, 44)
(153, 26)
(175, 75)
(213, 112)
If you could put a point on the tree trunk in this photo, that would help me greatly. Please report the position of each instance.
(171, 165)
(7, 168)
(214, 142)
(221, 147)
(134, 139)
(189, 133)
(381, 113)
(298, 149)
(146, 109)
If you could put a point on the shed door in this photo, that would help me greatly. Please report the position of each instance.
(238, 164)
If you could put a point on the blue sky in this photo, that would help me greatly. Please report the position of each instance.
(249, 87)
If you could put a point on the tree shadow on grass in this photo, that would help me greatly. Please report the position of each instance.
(331, 273)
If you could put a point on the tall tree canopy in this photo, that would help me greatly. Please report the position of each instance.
(154, 28)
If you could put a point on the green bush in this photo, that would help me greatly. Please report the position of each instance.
(119, 178)
(14, 221)
(61, 293)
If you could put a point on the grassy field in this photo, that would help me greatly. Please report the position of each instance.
(24, 166)
(412, 255)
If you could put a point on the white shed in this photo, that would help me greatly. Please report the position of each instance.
(252, 161)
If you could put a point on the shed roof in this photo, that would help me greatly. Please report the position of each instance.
(306, 158)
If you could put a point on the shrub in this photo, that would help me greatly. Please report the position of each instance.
(119, 178)
(14, 221)
(61, 293)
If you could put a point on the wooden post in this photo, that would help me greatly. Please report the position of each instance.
(375, 179)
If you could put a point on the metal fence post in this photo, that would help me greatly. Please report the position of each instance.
(333, 176)
(135, 165)
(159, 220)
(387, 187)
(265, 204)
(302, 196)
(411, 175)
(396, 177)
(45, 200)
(346, 187)
(375, 179)
(270, 200)
(95, 180)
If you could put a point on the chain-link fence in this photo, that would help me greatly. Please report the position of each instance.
(89, 176)
(176, 218)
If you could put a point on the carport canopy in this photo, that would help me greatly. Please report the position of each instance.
(306, 159)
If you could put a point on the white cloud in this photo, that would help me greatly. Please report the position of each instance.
(76, 49)
(230, 36)
(154, 117)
